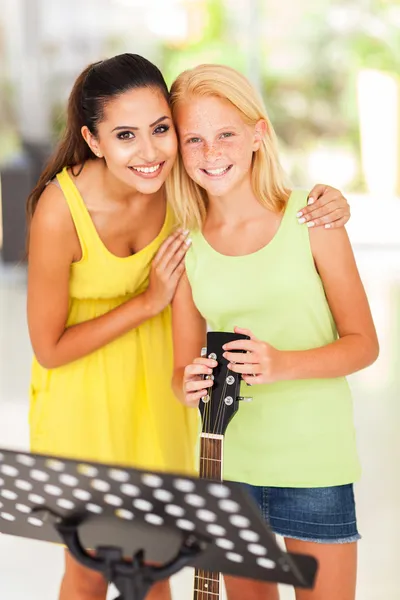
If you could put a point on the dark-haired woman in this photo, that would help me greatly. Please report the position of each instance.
(105, 258)
(104, 262)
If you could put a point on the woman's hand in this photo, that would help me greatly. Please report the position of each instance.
(326, 207)
(261, 363)
(194, 384)
(166, 270)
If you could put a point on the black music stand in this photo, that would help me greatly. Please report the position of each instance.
(171, 520)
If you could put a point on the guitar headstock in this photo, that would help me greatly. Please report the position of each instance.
(222, 401)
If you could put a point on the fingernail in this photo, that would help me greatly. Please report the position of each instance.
(188, 242)
(310, 201)
(224, 347)
(186, 231)
(310, 224)
(299, 214)
(328, 226)
(302, 220)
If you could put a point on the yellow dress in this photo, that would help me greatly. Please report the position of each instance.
(116, 404)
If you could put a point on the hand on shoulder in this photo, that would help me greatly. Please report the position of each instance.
(327, 208)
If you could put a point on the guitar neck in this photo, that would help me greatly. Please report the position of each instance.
(211, 456)
(207, 585)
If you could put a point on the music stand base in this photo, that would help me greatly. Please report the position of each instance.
(132, 578)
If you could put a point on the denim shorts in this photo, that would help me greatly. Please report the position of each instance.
(326, 515)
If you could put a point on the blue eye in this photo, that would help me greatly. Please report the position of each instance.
(226, 134)
(125, 135)
(162, 129)
(193, 140)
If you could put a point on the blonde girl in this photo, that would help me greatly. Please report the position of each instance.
(297, 293)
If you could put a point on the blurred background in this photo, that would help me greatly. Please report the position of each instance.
(329, 74)
(328, 71)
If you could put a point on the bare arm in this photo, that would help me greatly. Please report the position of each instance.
(53, 248)
(357, 346)
(189, 336)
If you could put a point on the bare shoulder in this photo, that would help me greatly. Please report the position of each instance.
(333, 255)
(52, 209)
(52, 222)
(329, 240)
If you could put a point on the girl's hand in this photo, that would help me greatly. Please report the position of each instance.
(194, 385)
(326, 207)
(262, 363)
(166, 270)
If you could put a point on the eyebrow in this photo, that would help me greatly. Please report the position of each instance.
(137, 128)
(225, 128)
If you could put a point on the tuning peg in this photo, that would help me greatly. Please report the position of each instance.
(245, 398)
(203, 352)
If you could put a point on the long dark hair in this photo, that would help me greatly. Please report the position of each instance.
(94, 87)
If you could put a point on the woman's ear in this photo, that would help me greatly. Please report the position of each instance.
(91, 141)
(260, 131)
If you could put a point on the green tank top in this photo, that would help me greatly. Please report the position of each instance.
(294, 433)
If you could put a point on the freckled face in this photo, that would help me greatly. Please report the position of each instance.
(216, 144)
(137, 139)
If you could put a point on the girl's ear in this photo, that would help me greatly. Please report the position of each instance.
(91, 141)
(260, 131)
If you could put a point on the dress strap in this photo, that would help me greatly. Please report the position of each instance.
(80, 215)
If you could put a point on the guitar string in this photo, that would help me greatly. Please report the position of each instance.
(210, 468)
(216, 470)
(207, 579)
(206, 464)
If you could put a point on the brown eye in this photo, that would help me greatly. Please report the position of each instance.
(162, 129)
(125, 135)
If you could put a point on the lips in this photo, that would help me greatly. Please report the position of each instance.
(217, 172)
(148, 171)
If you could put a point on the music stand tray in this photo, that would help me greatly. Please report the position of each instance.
(171, 520)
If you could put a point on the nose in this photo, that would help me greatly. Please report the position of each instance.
(212, 152)
(148, 149)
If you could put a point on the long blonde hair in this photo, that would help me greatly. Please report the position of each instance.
(187, 198)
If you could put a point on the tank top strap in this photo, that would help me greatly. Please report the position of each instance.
(297, 201)
(80, 215)
(290, 225)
